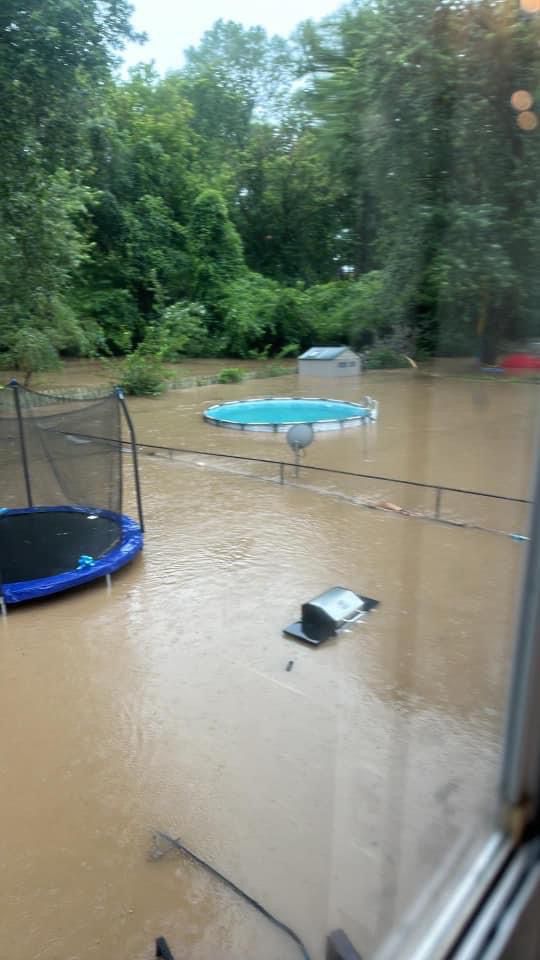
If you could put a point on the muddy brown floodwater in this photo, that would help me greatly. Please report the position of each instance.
(331, 792)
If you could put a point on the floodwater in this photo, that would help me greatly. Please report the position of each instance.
(331, 792)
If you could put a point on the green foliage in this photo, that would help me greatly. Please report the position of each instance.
(291, 350)
(262, 317)
(292, 318)
(289, 207)
(272, 370)
(388, 195)
(142, 374)
(216, 250)
(235, 75)
(185, 329)
(384, 358)
(54, 62)
(31, 351)
(230, 375)
(348, 310)
(41, 246)
(111, 311)
(143, 157)
(434, 164)
(248, 303)
(55, 57)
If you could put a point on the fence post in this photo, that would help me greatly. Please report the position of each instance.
(438, 503)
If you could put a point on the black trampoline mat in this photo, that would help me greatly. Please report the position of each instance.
(45, 543)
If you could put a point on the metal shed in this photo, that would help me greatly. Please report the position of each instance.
(329, 362)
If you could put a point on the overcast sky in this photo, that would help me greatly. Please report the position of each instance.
(171, 27)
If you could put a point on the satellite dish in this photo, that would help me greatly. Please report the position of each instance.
(299, 436)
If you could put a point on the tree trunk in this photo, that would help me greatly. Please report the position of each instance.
(486, 329)
(488, 347)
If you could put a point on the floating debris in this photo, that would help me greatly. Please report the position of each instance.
(387, 505)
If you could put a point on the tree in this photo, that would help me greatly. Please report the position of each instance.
(145, 178)
(348, 311)
(420, 94)
(369, 179)
(32, 352)
(235, 75)
(249, 304)
(42, 244)
(54, 61)
(185, 330)
(288, 207)
(217, 255)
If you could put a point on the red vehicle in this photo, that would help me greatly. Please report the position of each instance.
(521, 361)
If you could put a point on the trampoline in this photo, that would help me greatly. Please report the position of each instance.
(61, 490)
(277, 414)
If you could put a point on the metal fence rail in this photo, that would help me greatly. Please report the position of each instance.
(439, 489)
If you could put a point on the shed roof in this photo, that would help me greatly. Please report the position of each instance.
(322, 353)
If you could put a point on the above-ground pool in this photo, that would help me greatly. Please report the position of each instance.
(279, 413)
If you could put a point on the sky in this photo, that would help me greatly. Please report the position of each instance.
(172, 26)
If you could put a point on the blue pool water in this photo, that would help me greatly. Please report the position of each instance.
(285, 410)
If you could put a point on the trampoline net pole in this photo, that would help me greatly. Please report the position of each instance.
(134, 455)
(24, 458)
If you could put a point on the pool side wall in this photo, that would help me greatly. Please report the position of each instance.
(318, 425)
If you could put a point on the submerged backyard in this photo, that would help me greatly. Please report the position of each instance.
(288, 653)
(326, 782)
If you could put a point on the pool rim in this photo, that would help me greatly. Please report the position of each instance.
(368, 415)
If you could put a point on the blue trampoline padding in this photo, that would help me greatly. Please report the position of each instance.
(131, 543)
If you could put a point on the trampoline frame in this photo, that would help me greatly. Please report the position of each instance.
(130, 531)
(131, 543)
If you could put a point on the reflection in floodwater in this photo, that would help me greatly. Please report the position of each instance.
(329, 792)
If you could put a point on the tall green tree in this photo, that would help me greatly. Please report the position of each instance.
(289, 207)
(217, 255)
(419, 93)
(54, 60)
(236, 75)
(145, 175)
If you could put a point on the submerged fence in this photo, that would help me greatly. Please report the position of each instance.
(440, 505)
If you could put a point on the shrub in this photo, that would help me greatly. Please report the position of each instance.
(272, 370)
(185, 331)
(291, 350)
(143, 375)
(249, 303)
(345, 311)
(31, 351)
(230, 375)
(384, 358)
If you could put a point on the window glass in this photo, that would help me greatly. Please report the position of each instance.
(189, 217)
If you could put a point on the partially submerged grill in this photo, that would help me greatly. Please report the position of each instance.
(328, 613)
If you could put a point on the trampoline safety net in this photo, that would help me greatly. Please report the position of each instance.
(71, 447)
